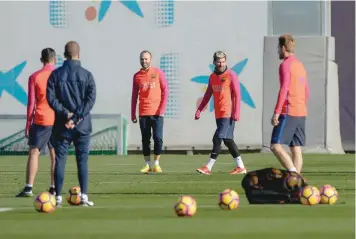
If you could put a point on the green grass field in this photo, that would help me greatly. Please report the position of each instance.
(129, 204)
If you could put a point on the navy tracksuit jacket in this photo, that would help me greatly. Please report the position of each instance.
(71, 88)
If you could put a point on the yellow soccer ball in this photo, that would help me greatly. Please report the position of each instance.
(229, 199)
(253, 179)
(310, 195)
(277, 172)
(45, 202)
(186, 206)
(73, 197)
(328, 194)
(293, 180)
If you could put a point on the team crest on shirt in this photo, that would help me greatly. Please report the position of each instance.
(153, 76)
(148, 85)
(223, 78)
(218, 88)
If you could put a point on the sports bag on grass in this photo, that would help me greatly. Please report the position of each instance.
(272, 186)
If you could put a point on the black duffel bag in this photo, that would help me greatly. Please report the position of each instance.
(273, 186)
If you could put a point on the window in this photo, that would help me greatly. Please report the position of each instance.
(300, 18)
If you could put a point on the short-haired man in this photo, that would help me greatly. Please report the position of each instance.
(40, 120)
(150, 86)
(71, 92)
(291, 108)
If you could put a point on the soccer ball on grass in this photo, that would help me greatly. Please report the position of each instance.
(45, 202)
(328, 194)
(229, 199)
(186, 206)
(293, 180)
(73, 197)
(310, 195)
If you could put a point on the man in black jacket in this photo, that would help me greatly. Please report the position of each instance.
(71, 93)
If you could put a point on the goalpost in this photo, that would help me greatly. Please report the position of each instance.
(109, 135)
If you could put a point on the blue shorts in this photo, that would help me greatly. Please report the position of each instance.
(225, 128)
(40, 136)
(289, 131)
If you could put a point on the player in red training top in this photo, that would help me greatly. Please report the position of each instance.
(40, 120)
(150, 86)
(291, 108)
(225, 88)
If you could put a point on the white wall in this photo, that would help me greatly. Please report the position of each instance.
(110, 49)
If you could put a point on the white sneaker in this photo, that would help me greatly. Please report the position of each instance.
(84, 201)
(58, 201)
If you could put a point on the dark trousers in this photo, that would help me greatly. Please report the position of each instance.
(154, 124)
(81, 144)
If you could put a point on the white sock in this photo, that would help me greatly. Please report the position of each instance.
(52, 186)
(59, 198)
(29, 185)
(148, 160)
(239, 162)
(293, 169)
(156, 162)
(210, 163)
(84, 197)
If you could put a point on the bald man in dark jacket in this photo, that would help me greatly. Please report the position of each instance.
(71, 93)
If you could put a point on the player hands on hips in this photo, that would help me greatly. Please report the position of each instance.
(150, 86)
(40, 120)
(225, 88)
(71, 93)
(291, 109)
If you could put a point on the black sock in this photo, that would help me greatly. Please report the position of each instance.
(216, 148)
(231, 145)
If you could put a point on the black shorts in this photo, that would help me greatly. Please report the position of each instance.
(289, 131)
(40, 136)
(225, 128)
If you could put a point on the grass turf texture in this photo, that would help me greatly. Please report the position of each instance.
(129, 204)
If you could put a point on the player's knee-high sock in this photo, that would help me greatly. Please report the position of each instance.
(216, 148)
(231, 145)
(214, 153)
